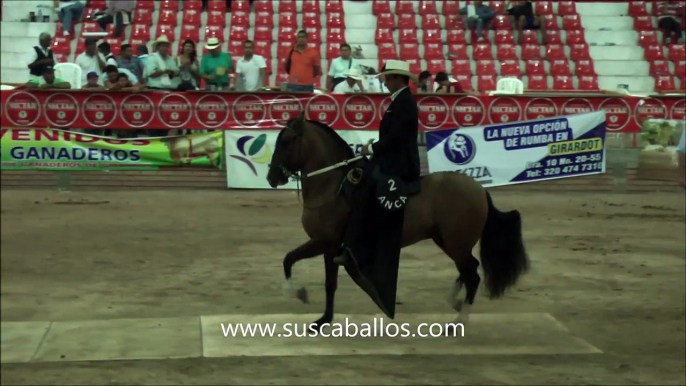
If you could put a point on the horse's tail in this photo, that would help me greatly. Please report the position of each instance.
(503, 256)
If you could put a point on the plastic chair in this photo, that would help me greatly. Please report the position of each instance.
(508, 86)
(70, 72)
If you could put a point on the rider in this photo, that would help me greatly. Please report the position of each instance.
(396, 153)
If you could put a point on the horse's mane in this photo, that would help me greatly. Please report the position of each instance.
(340, 142)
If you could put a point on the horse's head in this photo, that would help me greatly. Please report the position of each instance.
(288, 155)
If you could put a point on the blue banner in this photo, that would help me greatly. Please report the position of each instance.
(519, 152)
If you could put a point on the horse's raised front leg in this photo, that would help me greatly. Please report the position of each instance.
(308, 250)
(331, 269)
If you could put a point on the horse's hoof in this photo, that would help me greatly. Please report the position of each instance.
(318, 324)
(301, 294)
(457, 306)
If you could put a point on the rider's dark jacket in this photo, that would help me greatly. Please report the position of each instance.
(396, 151)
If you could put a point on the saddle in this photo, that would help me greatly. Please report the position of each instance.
(391, 192)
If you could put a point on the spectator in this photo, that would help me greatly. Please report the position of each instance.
(352, 83)
(447, 85)
(130, 62)
(251, 69)
(47, 81)
(424, 78)
(216, 66)
(93, 82)
(118, 11)
(668, 19)
(111, 76)
(340, 66)
(40, 56)
(189, 67)
(525, 18)
(142, 54)
(104, 48)
(91, 60)
(67, 11)
(161, 70)
(481, 18)
(302, 65)
(376, 84)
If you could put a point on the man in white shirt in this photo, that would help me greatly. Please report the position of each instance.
(251, 69)
(110, 60)
(376, 83)
(340, 66)
(90, 60)
(40, 56)
(352, 83)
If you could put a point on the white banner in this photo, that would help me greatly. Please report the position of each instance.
(519, 152)
(249, 152)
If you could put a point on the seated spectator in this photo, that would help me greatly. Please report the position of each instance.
(670, 13)
(93, 82)
(216, 66)
(91, 60)
(443, 84)
(423, 84)
(142, 54)
(104, 48)
(40, 56)
(161, 71)
(67, 12)
(130, 62)
(352, 83)
(47, 81)
(111, 77)
(340, 66)
(118, 11)
(251, 69)
(376, 83)
(525, 18)
(189, 67)
(481, 18)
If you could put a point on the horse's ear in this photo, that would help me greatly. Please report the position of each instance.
(299, 123)
(301, 116)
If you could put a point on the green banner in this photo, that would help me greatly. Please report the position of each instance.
(52, 149)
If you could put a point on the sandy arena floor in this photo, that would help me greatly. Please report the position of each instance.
(609, 267)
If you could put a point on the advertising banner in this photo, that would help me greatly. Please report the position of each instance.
(248, 154)
(519, 152)
(269, 111)
(49, 149)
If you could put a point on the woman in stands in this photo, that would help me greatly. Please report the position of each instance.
(525, 18)
(189, 67)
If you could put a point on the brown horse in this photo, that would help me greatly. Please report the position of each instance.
(452, 209)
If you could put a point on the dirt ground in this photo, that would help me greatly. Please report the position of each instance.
(610, 267)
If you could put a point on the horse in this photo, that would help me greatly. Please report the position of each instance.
(452, 209)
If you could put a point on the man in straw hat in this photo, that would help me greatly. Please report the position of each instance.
(161, 69)
(216, 66)
(373, 237)
(352, 83)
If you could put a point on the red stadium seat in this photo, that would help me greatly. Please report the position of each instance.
(407, 36)
(575, 37)
(529, 37)
(236, 48)
(435, 65)
(142, 16)
(263, 48)
(431, 22)
(61, 45)
(334, 6)
(486, 83)
(385, 20)
(677, 52)
(62, 58)
(560, 67)
(537, 83)
(555, 52)
(214, 32)
(387, 51)
(288, 19)
(563, 83)
(450, 8)
(263, 34)
(433, 51)
(140, 31)
(143, 5)
(463, 67)
(535, 67)
(311, 19)
(167, 17)
(431, 36)
(167, 30)
(659, 67)
(264, 6)
(510, 68)
(406, 21)
(543, 7)
(584, 67)
(415, 65)
(169, 4)
(283, 48)
(310, 6)
(91, 26)
(531, 51)
(507, 52)
(381, 6)
(504, 37)
(409, 51)
(335, 20)
(501, 22)
(572, 23)
(404, 7)
(646, 38)
(565, 8)
(643, 23)
(383, 35)
(637, 8)
(553, 37)
(665, 83)
(287, 33)
(218, 5)
(456, 37)
(465, 81)
(680, 67)
(195, 5)
(135, 43)
(454, 23)
(654, 52)
(335, 35)
(683, 83)
(498, 6)
(458, 51)
(287, 6)
(485, 67)
(192, 17)
(428, 7)
(240, 6)
(550, 22)
(579, 52)
(262, 19)
(190, 32)
(482, 52)
(588, 83)
(240, 19)
(238, 33)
